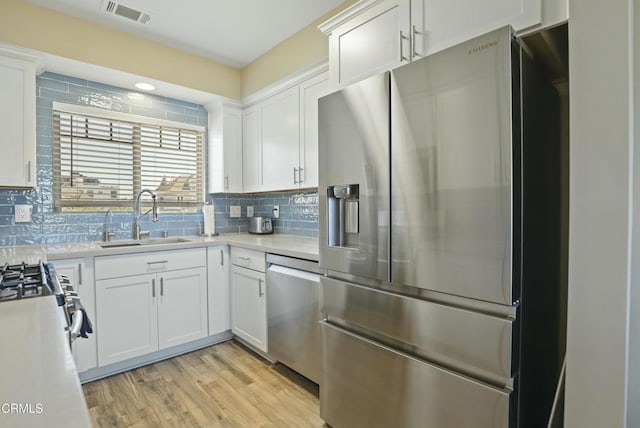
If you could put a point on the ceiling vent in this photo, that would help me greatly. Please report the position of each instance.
(129, 13)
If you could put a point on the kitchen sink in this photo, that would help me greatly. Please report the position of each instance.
(143, 242)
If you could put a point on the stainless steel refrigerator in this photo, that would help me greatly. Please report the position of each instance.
(439, 218)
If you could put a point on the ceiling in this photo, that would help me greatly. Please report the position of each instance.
(229, 32)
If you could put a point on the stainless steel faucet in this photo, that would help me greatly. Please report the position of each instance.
(108, 233)
(154, 210)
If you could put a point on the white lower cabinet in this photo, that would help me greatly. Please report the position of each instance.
(80, 274)
(182, 307)
(249, 305)
(128, 318)
(218, 289)
(153, 310)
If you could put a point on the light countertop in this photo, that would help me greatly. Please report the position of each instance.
(39, 385)
(286, 245)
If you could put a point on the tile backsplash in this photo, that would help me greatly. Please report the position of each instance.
(298, 210)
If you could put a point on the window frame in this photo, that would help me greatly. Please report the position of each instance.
(138, 120)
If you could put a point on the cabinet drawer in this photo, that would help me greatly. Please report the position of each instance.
(151, 262)
(251, 259)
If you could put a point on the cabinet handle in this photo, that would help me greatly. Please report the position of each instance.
(402, 38)
(29, 172)
(260, 293)
(244, 258)
(414, 53)
(158, 262)
(300, 179)
(153, 288)
(221, 258)
(79, 273)
(295, 171)
(161, 286)
(226, 182)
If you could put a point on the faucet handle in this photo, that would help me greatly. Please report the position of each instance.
(108, 235)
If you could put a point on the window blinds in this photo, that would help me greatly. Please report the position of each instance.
(104, 162)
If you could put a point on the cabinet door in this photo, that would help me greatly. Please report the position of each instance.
(232, 144)
(225, 149)
(249, 312)
(218, 289)
(376, 40)
(182, 306)
(80, 274)
(310, 91)
(251, 150)
(17, 121)
(438, 24)
(127, 317)
(280, 119)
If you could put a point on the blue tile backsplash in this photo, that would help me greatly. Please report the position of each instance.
(298, 209)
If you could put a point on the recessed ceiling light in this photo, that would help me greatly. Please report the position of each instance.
(145, 86)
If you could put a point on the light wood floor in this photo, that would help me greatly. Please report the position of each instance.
(220, 386)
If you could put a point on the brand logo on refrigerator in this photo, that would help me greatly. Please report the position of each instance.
(482, 47)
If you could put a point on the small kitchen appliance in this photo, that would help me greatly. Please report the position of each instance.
(260, 225)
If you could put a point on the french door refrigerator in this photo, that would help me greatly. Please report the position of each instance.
(439, 228)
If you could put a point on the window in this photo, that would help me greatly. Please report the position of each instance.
(104, 159)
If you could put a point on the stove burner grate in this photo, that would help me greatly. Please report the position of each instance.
(23, 280)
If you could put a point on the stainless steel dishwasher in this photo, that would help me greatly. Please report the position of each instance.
(293, 314)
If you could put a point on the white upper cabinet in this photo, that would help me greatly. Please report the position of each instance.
(438, 24)
(367, 38)
(225, 149)
(310, 91)
(280, 133)
(17, 122)
(251, 150)
(377, 35)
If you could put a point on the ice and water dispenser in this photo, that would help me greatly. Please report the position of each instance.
(343, 215)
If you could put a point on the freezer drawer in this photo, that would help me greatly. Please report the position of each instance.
(293, 314)
(370, 385)
(467, 341)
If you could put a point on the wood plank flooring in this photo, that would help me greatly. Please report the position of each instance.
(220, 386)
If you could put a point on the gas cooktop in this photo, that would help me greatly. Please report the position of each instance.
(23, 281)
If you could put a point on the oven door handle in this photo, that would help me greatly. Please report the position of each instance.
(76, 326)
